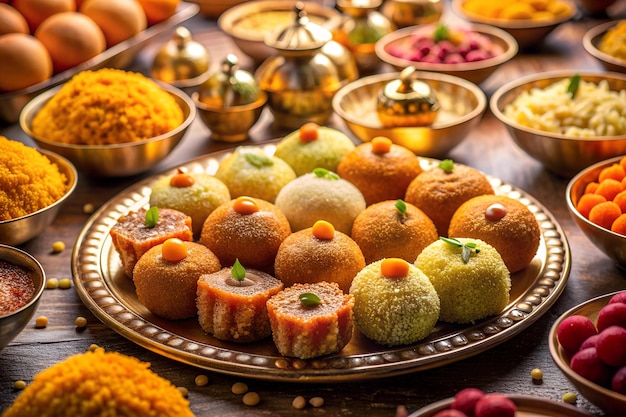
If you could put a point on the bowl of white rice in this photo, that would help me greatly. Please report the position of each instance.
(567, 120)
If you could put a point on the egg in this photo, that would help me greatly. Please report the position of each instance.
(118, 19)
(24, 61)
(71, 38)
(11, 21)
(36, 11)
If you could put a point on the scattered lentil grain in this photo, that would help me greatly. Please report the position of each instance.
(299, 402)
(570, 398)
(65, 283)
(316, 402)
(239, 388)
(80, 322)
(41, 322)
(89, 208)
(58, 246)
(52, 283)
(93, 347)
(536, 374)
(251, 399)
(201, 380)
(19, 385)
(183, 391)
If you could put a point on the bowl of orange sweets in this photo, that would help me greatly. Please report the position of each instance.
(528, 22)
(596, 200)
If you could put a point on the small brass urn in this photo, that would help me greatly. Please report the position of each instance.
(230, 101)
(182, 61)
(300, 80)
(407, 102)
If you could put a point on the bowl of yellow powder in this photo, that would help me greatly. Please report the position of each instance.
(33, 186)
(109, 122)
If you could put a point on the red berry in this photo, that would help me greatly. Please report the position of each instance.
(620, 297)
(573, 331)
(450, 413)
(466, 399)
(589, 342)
(613, 314)
(618, 383)
(587, 364)
(611, 346)
(495, 405)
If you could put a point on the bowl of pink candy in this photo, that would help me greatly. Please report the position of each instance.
(588, 344)
(473, 52)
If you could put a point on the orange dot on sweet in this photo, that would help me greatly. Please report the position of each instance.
(174, 250)
(381, 144)
(323, 230)
(394, 268)
(495, 212)
(181, 180)
(245, 205)
(309, 132)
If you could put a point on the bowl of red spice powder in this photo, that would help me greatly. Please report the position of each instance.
(22, 281)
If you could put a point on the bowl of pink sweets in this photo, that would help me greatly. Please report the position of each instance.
(473, 52)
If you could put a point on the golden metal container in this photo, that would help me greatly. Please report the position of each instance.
(407, 101)
(182, 61)
(404, 13)
(301, 80)
(230, 102)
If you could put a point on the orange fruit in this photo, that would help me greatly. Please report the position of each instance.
(118, 19)
(24, 61)
(71, 38)
(12, 21)
(158, 10)
(36, 11)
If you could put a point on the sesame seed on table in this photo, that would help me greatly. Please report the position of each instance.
(509, 367)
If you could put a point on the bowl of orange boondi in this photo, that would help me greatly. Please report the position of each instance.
(109, 122)
(35, 185)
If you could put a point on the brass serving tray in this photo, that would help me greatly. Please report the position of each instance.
(117, 56)
(110, 295)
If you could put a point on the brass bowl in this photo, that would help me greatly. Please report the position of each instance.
(119, 160)
(609, 401)
(591, 41)
(251, 41)
(231, 124)
(22, 229)
(475, 72)
(528, 33)
(563, 155)
(12, 324)
(610, 243)
(462, 106)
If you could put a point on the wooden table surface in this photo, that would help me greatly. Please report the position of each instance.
(504, 368)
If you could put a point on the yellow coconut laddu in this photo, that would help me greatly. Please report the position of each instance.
(99, 384)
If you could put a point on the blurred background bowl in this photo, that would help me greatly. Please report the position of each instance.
(527, 32)
(231, 124)
(591, 42)
(610, 243)
(462, 106)
(13, 323)
(214, 8)
(22, 229)
(475, 72)
(609, 401)
(248, 23)
(563, 155)
(119, 160)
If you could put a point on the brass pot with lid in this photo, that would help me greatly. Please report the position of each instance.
(181, 61)
(230, 101)
(301, 80)
(407, 101)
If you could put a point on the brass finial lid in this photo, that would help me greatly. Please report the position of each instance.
(302, 35)
(230, 86)
(407, 101)
(181, 61)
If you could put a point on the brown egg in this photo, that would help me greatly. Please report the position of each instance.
(24, 61)
(36, 11)
(158, 10)
(71, 38)
(118, 19)
(12, 21)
